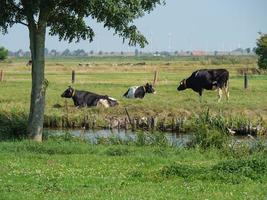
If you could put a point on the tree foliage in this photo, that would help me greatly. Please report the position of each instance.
(3, 53)
(261, 51)
(66, 18)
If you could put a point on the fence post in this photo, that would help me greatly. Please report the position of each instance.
(155, 78)
(73, 76)
(245, 80)
(1, 75)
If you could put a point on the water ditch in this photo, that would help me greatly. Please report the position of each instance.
(115, 136)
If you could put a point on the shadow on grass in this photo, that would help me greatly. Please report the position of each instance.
(49, 147)
(117, 151)
(232, 171)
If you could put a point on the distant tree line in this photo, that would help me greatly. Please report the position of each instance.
(136, 52)
(74, 53)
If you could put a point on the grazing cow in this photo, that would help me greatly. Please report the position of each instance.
(29, 63)
(88, 99)
(139, 91)
(209, 79)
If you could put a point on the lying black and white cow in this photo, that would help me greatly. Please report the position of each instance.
(88, 99)
(139, 91)
(209, 79)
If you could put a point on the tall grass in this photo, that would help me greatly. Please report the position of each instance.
(13, 125)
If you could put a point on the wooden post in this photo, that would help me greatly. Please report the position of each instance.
(155, 121)
(155, 78)
(245, 80)
(129, 118)
(1, 76)
(73, 76)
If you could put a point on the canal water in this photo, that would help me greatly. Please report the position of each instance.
(122, 136)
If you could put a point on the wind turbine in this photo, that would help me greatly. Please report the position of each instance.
(170, 42)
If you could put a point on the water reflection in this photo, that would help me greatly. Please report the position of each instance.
(94, 136)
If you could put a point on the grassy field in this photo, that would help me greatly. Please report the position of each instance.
(67, 168)
(112, 76)
(59, 169)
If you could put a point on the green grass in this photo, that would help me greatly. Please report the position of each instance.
(67, 168)
(105, 77)
(77, 170)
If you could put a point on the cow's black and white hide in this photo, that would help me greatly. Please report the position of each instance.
(88, 99)
(139, 91)
(209, 79)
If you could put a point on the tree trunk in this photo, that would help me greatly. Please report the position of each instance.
(36, 116)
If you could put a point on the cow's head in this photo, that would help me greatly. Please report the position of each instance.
(182, 85)
(149, 88)
(68, 93)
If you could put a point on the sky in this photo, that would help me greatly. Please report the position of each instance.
(207, 25)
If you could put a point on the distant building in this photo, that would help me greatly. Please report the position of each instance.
(198, 53)
(20, 53)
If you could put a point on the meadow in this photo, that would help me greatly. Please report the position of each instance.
(66, 169)
(113, 76)
(63, 167)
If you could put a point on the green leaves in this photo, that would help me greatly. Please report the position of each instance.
(69, 27)
(66, 18)
(261, 51)
(10, 14)
(135, 37)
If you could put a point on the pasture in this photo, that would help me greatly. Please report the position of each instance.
(65, 167)
(112, 76)
(76, 170)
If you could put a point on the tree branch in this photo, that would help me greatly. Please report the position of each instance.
(29, 13)
(19, 22)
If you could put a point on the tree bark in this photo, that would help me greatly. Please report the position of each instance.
(36, 115)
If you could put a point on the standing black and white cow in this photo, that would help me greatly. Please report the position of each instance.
(139, 91)
(209, 79)
(88, 99)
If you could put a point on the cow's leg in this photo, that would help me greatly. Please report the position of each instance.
(220, 93)
(226, 92)
(200, 95)
(126, 93)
